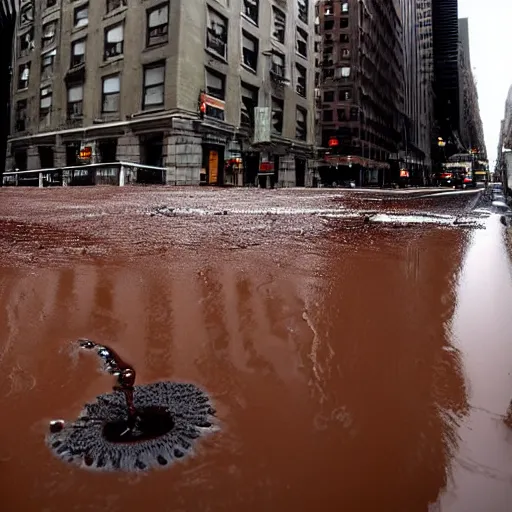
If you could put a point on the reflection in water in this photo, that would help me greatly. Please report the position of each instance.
(395, 385)
(482, 476)
(333, 378)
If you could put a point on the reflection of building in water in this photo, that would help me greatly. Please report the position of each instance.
(397, 374)
(170, 84)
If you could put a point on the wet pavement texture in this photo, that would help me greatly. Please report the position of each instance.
(357, 353)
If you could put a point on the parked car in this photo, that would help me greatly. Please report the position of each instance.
(501, 207)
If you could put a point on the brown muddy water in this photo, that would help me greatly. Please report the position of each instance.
(368, 372)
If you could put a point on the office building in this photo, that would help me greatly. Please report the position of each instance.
(213, 91)
(361, 82)
(418, 92)
(471, 127)
(445, 30)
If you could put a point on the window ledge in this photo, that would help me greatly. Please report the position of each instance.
(276, 41)
(48, 11)
(149, 111)
(248, 68)
(107, 117)
(112, 60)
(115, 12)
(49, 48)
(305, 57)
(250, 20)
(76, 30)
(154, 47)
(216, 55)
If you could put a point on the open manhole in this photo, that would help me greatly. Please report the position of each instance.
(134, 428)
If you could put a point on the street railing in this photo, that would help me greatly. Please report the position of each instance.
(112, 173)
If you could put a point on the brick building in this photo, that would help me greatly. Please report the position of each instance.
(362, 88)
(170, 84)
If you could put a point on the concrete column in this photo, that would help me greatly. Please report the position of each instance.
(33, 158)
(287, 171)
(41, 181)
(183, 159)
(128, 149)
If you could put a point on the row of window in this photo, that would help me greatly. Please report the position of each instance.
(217, 38)
(157, 33)
(153, 96)
(329, 8)
(329, 24)
(343, 95)
(251, 9)
(328, 115)
(27, 10)
(157, 23)
(216, 87)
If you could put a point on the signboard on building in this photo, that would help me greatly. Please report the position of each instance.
(211, 106)
(86, 154)
(261, 124)
(267, 167)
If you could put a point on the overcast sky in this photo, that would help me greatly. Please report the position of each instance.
(490, 33)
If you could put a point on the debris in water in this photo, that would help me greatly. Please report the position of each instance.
(135, 428)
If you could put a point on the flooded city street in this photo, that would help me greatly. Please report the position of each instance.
(355, 345)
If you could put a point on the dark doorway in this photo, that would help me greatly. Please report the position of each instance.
(151, 149)
(151, 153)
(72, 152)
(20, 159)
(251, 168)
(46, 157)
(107, 149)
(300, 172)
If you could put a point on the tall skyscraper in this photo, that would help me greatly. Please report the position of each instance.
(418, 107)
(471, 128)
(445, 29)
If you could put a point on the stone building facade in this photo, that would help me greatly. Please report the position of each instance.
(214, 91)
